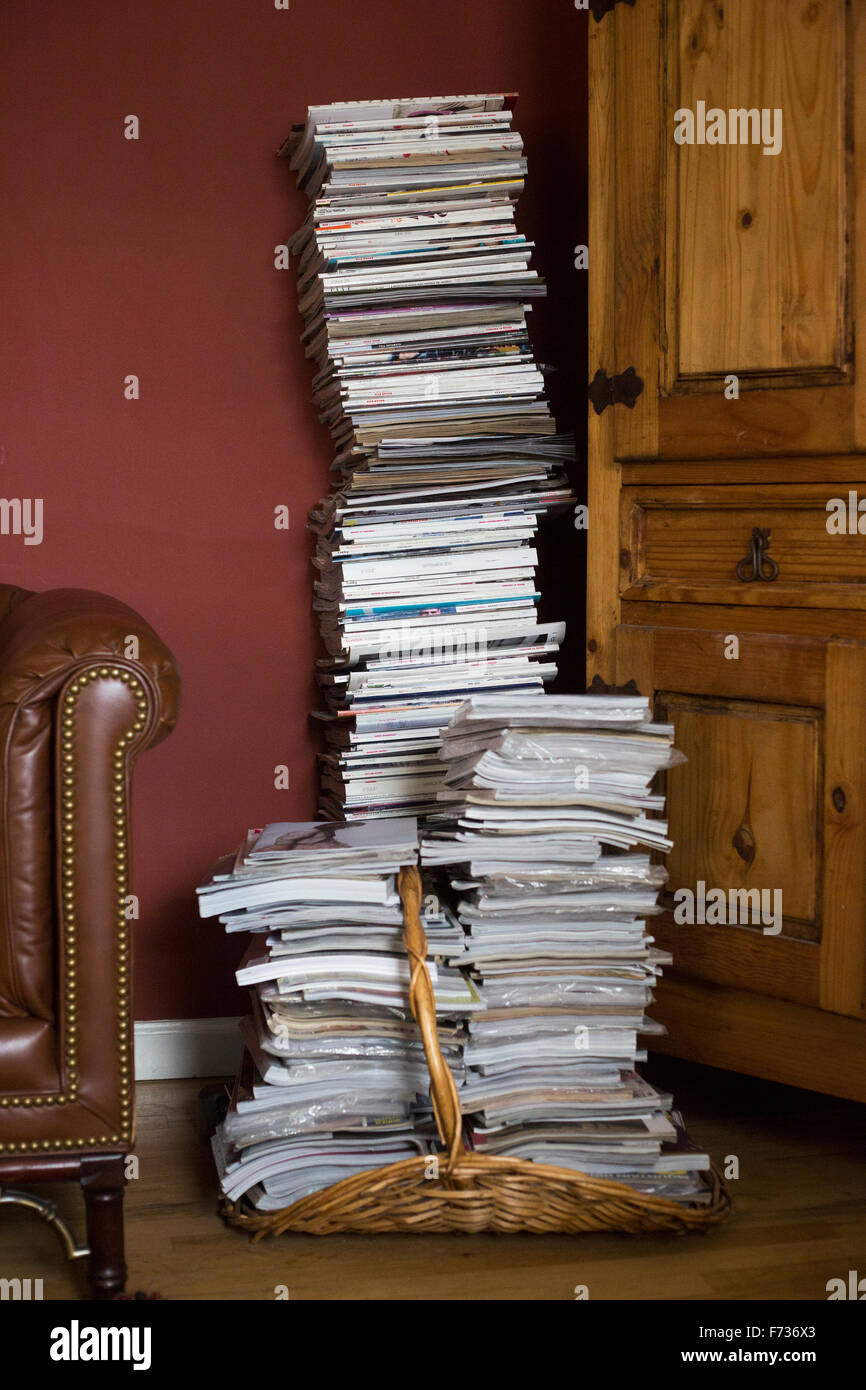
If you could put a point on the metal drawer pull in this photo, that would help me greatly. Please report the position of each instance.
(761, 564)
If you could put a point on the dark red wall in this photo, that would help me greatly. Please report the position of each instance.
(155, 257)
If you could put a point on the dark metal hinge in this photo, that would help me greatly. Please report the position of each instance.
(623, 389)
(599, 8)
(600, 687)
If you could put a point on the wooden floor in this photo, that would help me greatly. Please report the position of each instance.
(799, 1220)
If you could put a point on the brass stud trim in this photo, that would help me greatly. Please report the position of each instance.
(69, 920)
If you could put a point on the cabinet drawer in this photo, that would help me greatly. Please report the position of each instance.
(683, 544)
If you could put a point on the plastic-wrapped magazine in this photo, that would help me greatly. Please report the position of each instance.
(556, 711)
(315, 843)
(278, 888)
(282, 1164)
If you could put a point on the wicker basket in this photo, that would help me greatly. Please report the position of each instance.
(472, 1191)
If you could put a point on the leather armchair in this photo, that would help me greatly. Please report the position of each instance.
(85, 685)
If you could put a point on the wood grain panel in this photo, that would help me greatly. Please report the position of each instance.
(843, 958)
(638, 218)
(838, 469)
(783, 670)
(744, 810)
(684, 543)
(752, 1033)
(602, 598)
(814, 420)
(803, 622)
(738, 957)
(855, 162)
(760, 276)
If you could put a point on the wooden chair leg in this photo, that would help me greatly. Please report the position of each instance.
(103, 1182)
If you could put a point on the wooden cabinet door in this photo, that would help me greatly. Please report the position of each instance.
(730, 282)
(718, 260)
(771, 798)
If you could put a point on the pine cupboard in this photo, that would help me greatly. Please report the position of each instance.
(727, 434)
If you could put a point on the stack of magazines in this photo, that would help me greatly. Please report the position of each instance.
(415, 287)
(545, 825)
(334, 1079)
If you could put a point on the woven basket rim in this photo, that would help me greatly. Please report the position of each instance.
(445, 1190)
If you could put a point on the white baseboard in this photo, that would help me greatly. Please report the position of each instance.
(168, 1048)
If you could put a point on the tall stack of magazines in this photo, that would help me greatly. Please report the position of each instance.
(333, 1079)
(415, 287)
(545, 827)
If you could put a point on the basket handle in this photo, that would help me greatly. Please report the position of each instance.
(446, 1106)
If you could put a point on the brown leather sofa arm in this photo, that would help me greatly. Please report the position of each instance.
(46, 637)
(85, 686)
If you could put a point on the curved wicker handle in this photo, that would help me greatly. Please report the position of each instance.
(446, 1106)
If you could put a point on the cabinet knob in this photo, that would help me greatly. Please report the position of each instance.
(758, 565)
